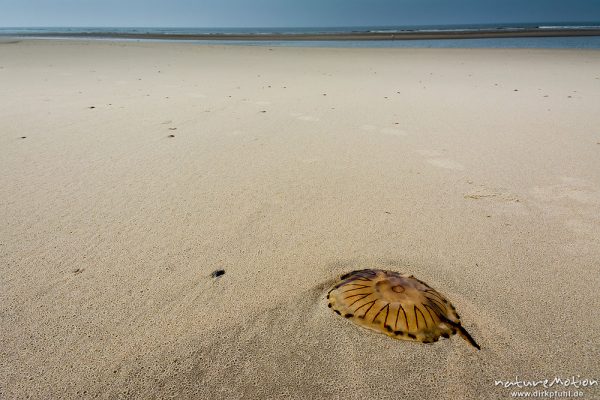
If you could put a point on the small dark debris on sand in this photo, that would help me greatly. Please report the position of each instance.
(171, 136)
(217, 273)
(77, 271)
(172, 129)
(91, 107)
(263, 111)
(23, 137)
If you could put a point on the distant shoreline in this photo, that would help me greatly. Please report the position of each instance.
(366, 36)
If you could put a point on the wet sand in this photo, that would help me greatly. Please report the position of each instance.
(173, 216)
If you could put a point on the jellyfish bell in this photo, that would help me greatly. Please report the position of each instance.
(400, 306)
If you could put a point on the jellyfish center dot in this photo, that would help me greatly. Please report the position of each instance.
(398, 289)
(391, 291)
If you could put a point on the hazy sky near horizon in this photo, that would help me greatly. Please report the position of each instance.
(282, 13)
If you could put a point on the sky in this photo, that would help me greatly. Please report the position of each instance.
(288, 13)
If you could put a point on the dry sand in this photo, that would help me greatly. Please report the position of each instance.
(478, 171)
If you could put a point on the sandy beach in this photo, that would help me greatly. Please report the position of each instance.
(132, 171)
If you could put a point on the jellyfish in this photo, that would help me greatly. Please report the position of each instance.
(400, 306)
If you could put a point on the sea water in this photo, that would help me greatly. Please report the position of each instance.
(570, 42)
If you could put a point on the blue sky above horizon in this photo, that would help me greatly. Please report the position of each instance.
(289, 13)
